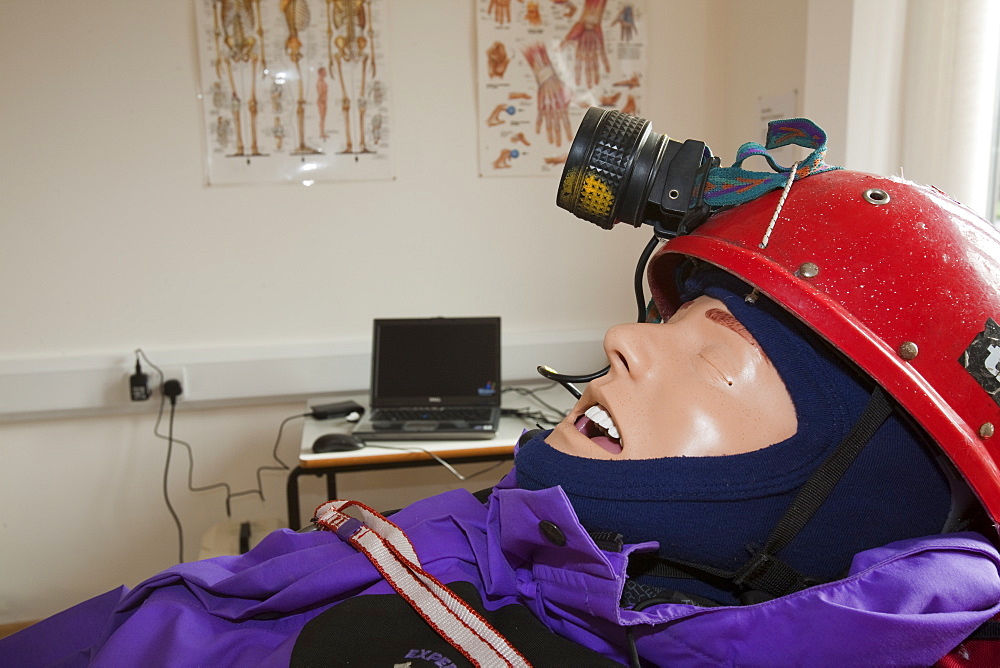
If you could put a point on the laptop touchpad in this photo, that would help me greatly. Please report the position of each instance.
(420, 425)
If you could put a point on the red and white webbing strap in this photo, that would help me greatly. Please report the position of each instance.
(392, 553)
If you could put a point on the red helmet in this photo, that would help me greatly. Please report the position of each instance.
(899, 277)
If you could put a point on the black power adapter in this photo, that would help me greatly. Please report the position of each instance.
(351, 410)
(138, 384)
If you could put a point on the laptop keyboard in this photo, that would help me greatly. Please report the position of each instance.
(437, 414)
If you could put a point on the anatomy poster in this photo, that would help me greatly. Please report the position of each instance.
(542, 64)
(294, 90)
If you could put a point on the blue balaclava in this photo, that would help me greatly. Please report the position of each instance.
(712, 510)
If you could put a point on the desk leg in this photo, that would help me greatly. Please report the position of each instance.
(292, 496)
(292, 492)
(331, 485)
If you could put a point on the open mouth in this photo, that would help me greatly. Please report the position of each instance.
(597, 425)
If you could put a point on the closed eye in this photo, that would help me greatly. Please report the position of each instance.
(725, 377)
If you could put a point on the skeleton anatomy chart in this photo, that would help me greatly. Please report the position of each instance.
(542, 64)
(294, 90)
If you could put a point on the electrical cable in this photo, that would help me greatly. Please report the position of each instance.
(451, 469)
(640, 271)
(567, 380)
(553, 417)
(166, 475)
(529, 415)
(169, 437)
(633, 651)
(533, 394)
(274, 454)
(171, 440)
(526, 414)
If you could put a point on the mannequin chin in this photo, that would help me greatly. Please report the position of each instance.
(696, 385)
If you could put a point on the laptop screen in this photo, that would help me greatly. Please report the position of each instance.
(436, 361)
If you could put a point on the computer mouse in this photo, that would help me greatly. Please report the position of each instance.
(336, 443)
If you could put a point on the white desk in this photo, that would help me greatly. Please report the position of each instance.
(401, 454)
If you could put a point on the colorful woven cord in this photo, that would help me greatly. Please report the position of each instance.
(728, 186)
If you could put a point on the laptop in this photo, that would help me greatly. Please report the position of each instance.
(433, 379)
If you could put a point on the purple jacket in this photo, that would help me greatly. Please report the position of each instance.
(904, 604)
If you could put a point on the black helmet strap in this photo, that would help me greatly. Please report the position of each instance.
(764, 575)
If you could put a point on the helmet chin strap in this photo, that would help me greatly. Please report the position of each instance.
(764, 575)
(567, 380)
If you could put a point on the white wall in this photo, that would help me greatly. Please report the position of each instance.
(760, 49)
(109, 241)
(910, 88)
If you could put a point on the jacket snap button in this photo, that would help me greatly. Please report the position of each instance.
(552, 533)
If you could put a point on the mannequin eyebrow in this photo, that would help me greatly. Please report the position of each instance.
(728, 320)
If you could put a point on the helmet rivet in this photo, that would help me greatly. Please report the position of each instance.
(876, 196)
(986, 430)
(808, 270)
(908, 350)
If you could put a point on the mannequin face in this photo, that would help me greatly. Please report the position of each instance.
(696, 385)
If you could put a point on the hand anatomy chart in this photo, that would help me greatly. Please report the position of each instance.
(294, 90)
(541, 65)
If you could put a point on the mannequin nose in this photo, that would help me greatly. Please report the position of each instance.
(623, 344)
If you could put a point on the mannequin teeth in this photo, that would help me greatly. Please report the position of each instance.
(601, 417)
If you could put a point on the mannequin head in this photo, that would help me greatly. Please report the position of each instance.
(706, 468)
(698, 384)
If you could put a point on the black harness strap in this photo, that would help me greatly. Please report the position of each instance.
(764, 573)
(822, 482)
